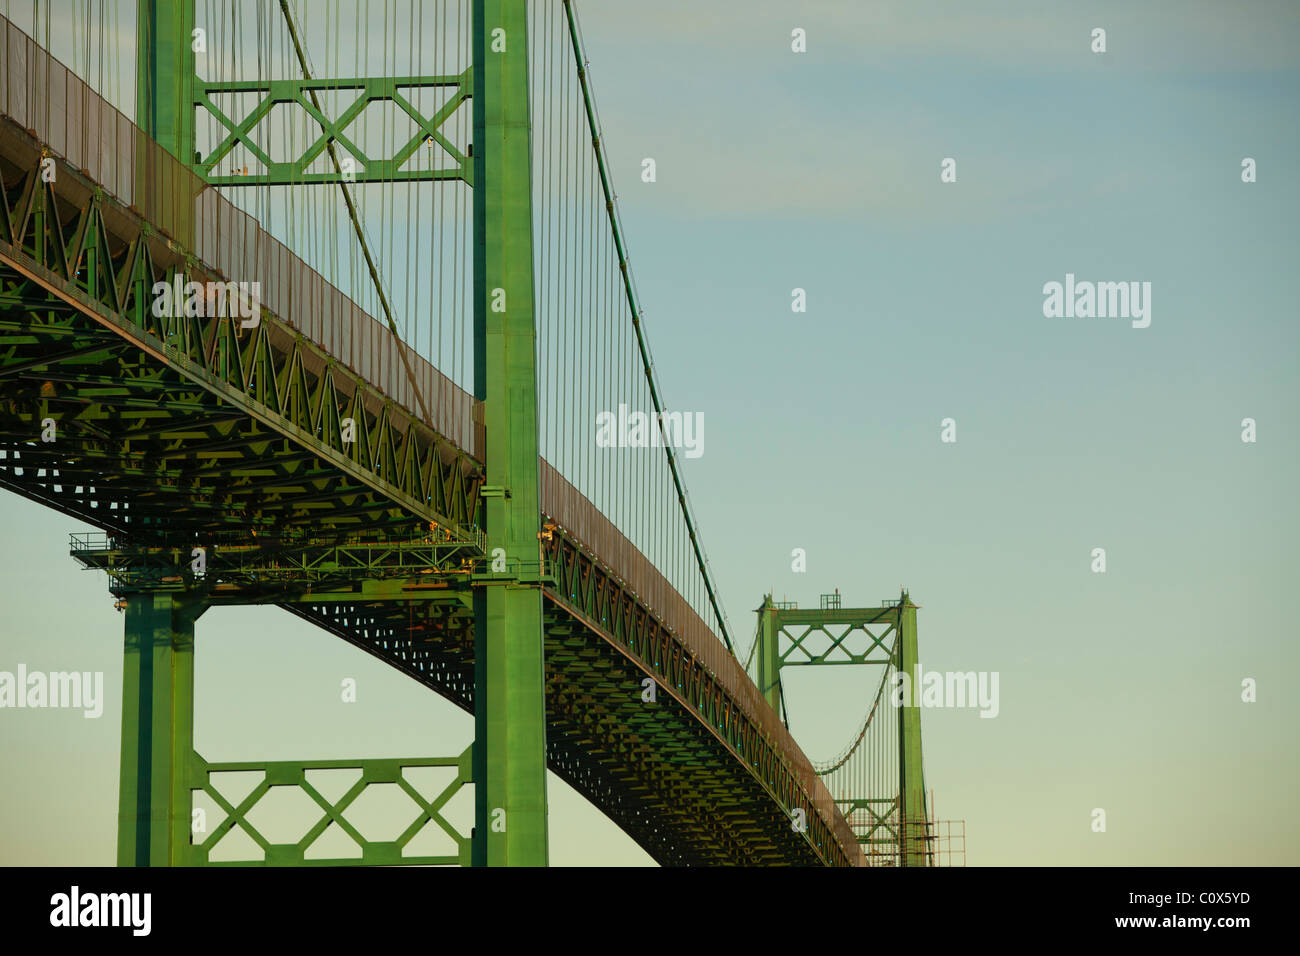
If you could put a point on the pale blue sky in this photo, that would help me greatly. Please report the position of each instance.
(821, 171)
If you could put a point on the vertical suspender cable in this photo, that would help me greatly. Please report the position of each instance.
(634, 305)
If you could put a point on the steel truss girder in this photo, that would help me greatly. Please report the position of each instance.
(253, 570)
(371, 90)
(56, 240)
(590, 590)
(783, 631)
(839, 627)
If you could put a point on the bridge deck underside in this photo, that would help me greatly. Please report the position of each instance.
(653, 768)
(136, 447)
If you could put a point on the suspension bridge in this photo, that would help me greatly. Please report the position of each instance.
(329, 325)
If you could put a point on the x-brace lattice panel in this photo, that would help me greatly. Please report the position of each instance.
(840, 647)
(369, 169)
(294, 774)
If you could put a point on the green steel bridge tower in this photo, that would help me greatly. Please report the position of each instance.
(508, 763)
(885, 637)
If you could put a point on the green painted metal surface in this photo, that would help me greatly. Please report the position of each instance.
(429, 811)
(401, 166)
(229, 398)
(157, 728)
(510, 704)
(165, 82)
(433, 565)
(911, 783)
(769, 655)
(165, 74)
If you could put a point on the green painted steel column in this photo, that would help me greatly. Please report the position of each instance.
(165, 107)
(157, 730)
(509, 692)
(911, 784)
(769, 654)
(165, 74)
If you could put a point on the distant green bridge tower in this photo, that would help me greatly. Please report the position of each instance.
(786, 635)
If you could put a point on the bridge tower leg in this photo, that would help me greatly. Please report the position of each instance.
(510, 715)
(769, 654)
(164, 74)
(165, 87)
(509, 693)
(157, 729)
(911, 784)
(158, 671)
